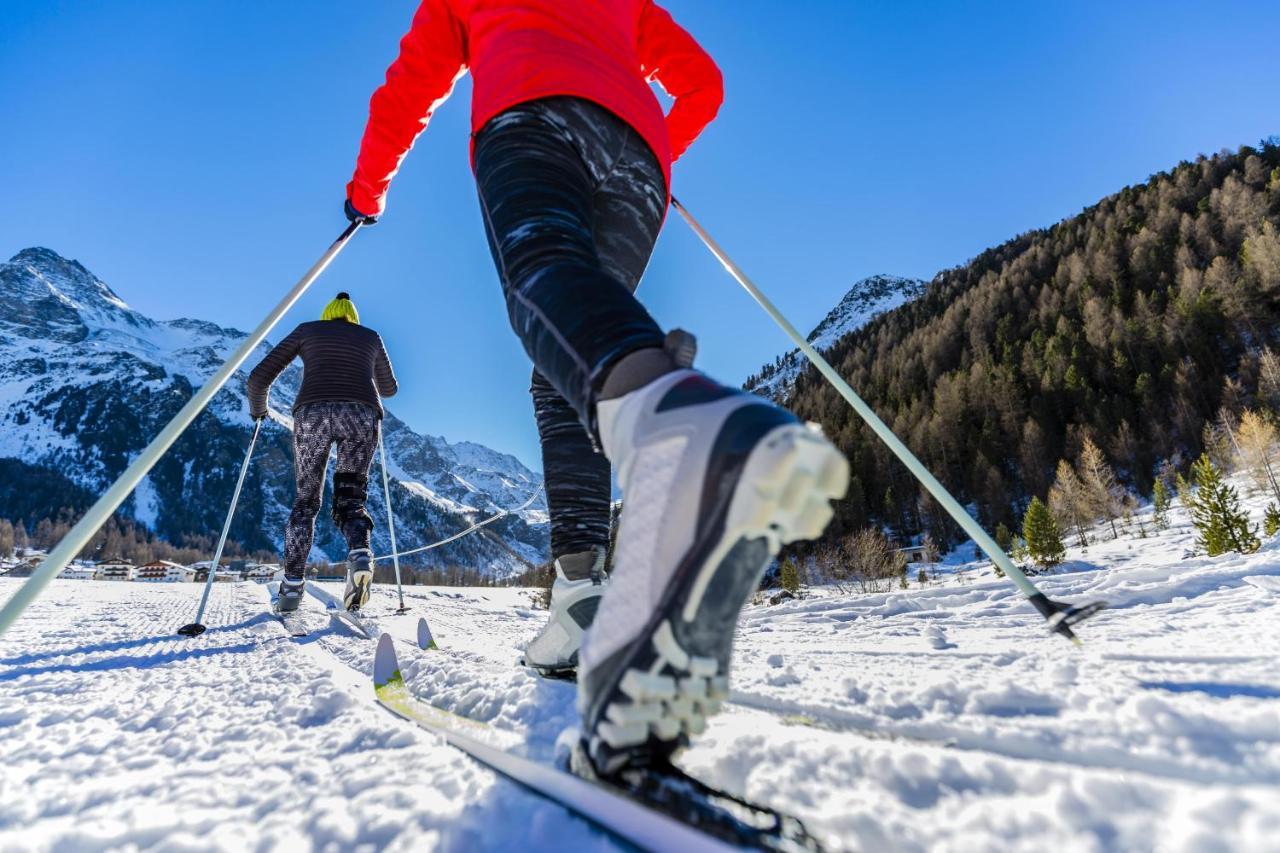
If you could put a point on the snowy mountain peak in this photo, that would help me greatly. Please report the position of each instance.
(85, 381)
(865, 300)
(68, 278)
(58, 298)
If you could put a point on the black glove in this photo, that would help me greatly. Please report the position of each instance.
(257, 416)
(354, 215)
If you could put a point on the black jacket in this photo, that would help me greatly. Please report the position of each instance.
(341, 363)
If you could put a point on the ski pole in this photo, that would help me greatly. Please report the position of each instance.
(97, 515)
(1059, 616)
(196, 628)
(391, 520)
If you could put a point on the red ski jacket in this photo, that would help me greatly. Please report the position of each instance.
(606, 51)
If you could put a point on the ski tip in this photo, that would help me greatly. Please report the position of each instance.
(386, 669)
(425, 640)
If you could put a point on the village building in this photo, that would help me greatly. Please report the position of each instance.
(916, 554)
(162, 571)
(79, 570)
(262, 571)
(113, 570)
(23, 568)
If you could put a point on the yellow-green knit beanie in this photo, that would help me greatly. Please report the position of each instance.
(341, 308)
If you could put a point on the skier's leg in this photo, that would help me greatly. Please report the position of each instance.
(356, 430)
(578, 488)
(311, 441)
(537, 192)
(577, 479)
(714, 480)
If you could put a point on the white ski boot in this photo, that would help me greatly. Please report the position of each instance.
(575, 596)
(359, 579)
(290, 595)
(715, 481)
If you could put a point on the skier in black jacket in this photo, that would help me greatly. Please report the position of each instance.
(345, 372)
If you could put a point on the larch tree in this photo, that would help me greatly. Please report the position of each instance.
(1103, 493)
(21, 541)
(1255, 444)
(1269, 380)
(1218, 438)
(1161, 499)
(1070, 501)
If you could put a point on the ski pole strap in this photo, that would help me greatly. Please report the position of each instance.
(957, 512)
(97, 515)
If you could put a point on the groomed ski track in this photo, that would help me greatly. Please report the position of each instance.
(936, 718)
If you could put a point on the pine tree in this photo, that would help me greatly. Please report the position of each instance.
(789, 576)
(1044, 539)
(1271, 521)
(1161, 498)
(1004, 538)
(1217, 514)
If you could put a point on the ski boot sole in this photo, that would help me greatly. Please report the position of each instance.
(677, 672)
(357, 593)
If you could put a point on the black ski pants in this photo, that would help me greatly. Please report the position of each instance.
(573, 200)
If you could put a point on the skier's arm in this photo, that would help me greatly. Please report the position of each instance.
(383, 376)
(268, 369)
(669, 55)
(432, 58)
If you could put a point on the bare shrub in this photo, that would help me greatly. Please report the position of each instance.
(865, 561)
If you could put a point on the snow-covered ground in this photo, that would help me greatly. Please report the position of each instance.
(940, 718)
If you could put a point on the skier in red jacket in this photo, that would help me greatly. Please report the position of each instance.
(572, 155)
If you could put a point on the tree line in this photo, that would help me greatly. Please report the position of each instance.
(1088, 494)
(1122, 331)
(119, 539)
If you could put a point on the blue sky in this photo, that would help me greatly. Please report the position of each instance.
(194, 156)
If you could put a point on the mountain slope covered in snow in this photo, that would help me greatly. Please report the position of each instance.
(866, 300)
(86, 381)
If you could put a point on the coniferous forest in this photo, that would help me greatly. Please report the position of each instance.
(1132, 326)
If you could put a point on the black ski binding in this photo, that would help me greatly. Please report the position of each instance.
(667, 789)
(566, 673)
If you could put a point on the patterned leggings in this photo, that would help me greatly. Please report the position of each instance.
(353, 427)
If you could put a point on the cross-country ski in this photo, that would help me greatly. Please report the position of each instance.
(639, 424)
(287, 614)
(648, 812)
(351, 620)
